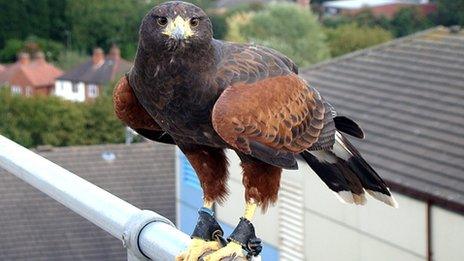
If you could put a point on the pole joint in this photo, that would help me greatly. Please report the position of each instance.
(134, 227)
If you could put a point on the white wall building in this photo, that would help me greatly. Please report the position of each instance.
(74, 91)
(87, 81)
(309, 223)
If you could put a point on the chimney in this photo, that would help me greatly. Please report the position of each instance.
(115, 53)
(23, 58)
(98, 57)
(39, 57)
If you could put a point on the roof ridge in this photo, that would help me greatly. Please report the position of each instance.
(102, 75)
(372, 48)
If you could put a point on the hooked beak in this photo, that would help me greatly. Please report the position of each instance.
(178, 29)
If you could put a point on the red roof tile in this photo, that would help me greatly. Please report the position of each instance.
(35, 74)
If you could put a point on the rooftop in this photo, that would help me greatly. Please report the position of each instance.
(408, 96)
(100, 69)
(35, 73)
(34, 225)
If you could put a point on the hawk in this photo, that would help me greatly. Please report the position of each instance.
(205, 95)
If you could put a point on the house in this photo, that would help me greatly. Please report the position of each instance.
(28, 77)
(36, 227)
(407, 95)
(87, 80)
(387, 8)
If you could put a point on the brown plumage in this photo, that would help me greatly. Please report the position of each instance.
(206, 95)
(288, 121)
(129, 111)
(210, 164)
(261, 182)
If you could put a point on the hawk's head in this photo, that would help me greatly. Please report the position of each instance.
(175, 25)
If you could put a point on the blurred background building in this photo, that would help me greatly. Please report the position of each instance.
(86, 81)
(30, 77)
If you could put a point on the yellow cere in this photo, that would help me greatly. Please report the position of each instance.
(179, 26)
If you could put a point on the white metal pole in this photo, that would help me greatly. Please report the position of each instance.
(144, 233)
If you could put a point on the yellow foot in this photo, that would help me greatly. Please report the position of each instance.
(197, 248)
(231, 250)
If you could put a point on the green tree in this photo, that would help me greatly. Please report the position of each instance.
(219, 25)
(31, 45)
(40, 120)
(51, 48)
(245, 8)
(33, 121)
(70, 59)
(22, 18)
(81, 24)
(101, 124)
(59, 23)
(367, 18)
(287, 28)
(409, 20)
(11, 49)
(351, 37)
(103, 23)
(451, 12)
(235, 25)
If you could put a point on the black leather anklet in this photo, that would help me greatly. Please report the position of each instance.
(244, 234)
(207, 227)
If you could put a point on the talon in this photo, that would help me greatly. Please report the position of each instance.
(206, 237)
(197, 248)
(231, 250)
(244, 234)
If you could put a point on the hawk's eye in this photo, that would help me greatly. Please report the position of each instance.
(194, 22)
(162, 21)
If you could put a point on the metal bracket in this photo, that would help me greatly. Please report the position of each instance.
(134, 227)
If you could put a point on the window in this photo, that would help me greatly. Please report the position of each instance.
(28, 91)
(75, 88)
(92, 90)
(15, 89)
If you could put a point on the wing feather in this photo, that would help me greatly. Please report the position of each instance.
(266, 110)
(272, 116)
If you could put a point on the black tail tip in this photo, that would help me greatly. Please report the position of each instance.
(348, 126)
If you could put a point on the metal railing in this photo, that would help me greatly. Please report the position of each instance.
(145, 234)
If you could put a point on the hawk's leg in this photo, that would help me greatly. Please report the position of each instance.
(261, 183)
(210, 165)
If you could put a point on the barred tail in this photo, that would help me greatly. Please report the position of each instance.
(345, 172)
